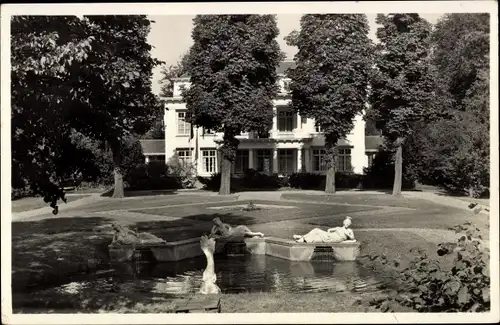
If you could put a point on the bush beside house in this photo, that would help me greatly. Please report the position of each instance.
(250, 180)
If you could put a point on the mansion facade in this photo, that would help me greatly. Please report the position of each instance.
(294, 144)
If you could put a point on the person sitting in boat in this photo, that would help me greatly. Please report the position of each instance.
(223, 230)
(332, 235)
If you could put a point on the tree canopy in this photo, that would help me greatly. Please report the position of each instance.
(232, 68)
(89, 75)
(331, 78)
(455, 150)
(403, 83)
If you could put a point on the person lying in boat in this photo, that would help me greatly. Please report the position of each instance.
(223, 230)
(332, 235)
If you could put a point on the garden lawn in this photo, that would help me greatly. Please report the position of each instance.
(134, 203)
(230, 303)
(363, 198)
(52, 251)
(235, 216)
(32, 203)
(49, 252)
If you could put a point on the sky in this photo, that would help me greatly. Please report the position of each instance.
(170, 36)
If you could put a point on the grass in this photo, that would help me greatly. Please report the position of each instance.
(235, 217)
(327, 302)
(362, 198)
(136, 203)
(485, 202)
(430, 219)
(50, 251)
(230, 303)
(32, 203)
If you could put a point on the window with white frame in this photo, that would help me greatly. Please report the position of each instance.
(318, 128)
(285, 120)
(286, 161)
(241, 161)
(209, 157)
(184, 155)
(264, 160)
(183, 127)
(344, 160)
(318, 160)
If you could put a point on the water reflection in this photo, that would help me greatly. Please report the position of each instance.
(256, 273)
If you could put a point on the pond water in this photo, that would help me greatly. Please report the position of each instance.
(235, 274)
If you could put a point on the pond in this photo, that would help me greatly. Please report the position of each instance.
(235, 274)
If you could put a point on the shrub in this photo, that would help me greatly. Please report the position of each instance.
(253, 179)
(306, 181)
(455, 154)
(185, 172)
(427, 287)
(317, 181)
(212, 183)
(250, 180)
(152, 176)
(156, 169)
(381, 174)
(348, 180)
(19, 193)
(156, 183)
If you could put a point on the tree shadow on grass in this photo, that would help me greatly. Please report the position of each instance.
(232, 219)
(190, 226)
(45, 252)
(90, 301)
(134, 193)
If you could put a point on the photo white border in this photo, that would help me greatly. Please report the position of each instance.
(433, 7)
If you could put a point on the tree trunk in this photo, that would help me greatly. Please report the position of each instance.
(331, 153)
(225, 177)
(471, 191)
(398, 169)
(228, 152)
(118, 191)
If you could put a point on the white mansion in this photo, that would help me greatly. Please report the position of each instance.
(294, 143)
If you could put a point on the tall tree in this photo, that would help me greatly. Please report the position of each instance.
(331, 78)
(45, 50)
(114, 85)
(232, 67)
(461, 54)
(455, 149)
(65, 80)
(402, 87)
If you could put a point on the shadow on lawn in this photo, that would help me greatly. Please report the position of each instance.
(134, 193)
(191, 226)
(50, 252)
(231, 218)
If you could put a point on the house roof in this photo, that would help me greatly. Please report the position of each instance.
(372, 142)
(150, 147)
